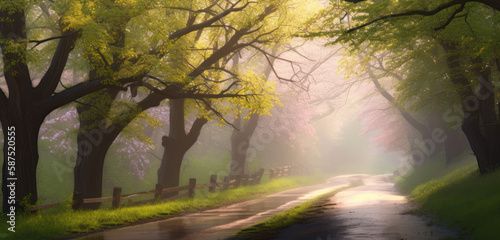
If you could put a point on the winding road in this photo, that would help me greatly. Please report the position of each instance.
(372, 211)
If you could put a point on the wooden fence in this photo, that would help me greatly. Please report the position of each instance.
(288, 170)
(159, 192)
(242, 180)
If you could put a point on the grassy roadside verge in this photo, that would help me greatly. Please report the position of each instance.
(463, 199)
(282, 220)
(431, 169)
(61, 221)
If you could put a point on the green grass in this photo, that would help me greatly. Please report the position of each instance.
(287, 218)
(61, 221)
(464, 199)
(431, 169)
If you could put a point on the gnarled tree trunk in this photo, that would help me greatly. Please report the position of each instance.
(93, 145)
(176, 144)
(23, 111)
(20, 154)
(480, 118)
(240, 142)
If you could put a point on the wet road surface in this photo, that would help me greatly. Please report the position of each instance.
(372, 211)
(222, 222)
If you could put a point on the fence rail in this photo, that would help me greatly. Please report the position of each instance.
(160, 192)
(288, 170)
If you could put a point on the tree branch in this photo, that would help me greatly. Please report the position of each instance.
(195, 27)
(77, 91)
(410, 13)
(381, 64)
(17, 75)
(406, 115)
(38, 42)
(453, 15)
(195, 130)
(50, 79)
(207, 104)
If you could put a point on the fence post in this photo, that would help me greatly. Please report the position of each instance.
(117, 197)
(226, 182)
(192, 186)
(77, 201)
(159, 190)
(213, 183)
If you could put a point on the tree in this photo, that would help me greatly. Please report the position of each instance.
(95, 139)
(422, 144)
(424, 11)
(243, 131)
(191, 74)
(297, 86)
(29, 101)
(176, 144)
(446, 63)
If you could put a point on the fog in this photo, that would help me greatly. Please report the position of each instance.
(317, 125)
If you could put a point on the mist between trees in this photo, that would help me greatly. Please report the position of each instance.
(135, 93)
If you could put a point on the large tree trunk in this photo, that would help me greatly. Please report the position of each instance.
(480, 119)
(481, 125)
(20, 115)
(487, 111)
(240, 142)
(240, 138)
(20, 154)
(478, 143)
(20, 120)
(93, 146)
(170, 168)
(93, 142)
(176, 144)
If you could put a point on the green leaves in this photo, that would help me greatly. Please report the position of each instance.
(410, 46)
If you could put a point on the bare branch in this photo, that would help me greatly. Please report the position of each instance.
(458, 10)
(38, 42)
(195, 27)
(208, 105)
(410, 13)
(77, 91)
(102, 57)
